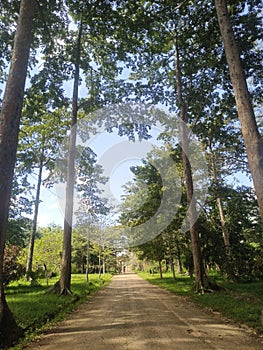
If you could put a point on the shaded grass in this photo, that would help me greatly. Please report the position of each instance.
(240, 302)
(34, 310)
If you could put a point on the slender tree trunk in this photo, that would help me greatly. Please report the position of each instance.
(9, 126)
(172, 268)
(34, 226)
(252, 138)
(103, 265)
(160, 269)
(179, 260)
(99, 261)
(63, 286)
(171, 260)
(225, 233)
(88, 257)
(65, 279)
(201, 278)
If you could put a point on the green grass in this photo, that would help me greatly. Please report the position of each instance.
(34, 310)
(240, 302)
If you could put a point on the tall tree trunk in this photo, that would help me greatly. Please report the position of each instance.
(99, 261)
(103, 264)
(65, 279)
(225, 233)
(252, 138)
(88, 256)
(34, 225)
(63, 286)
(201, 278)
(171, 259)
(9, 126)
(179, 259)
(160, 268)
(172, 268)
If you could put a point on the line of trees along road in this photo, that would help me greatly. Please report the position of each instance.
(217, 50)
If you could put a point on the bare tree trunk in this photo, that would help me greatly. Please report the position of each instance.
(252, 138)
(201, 279)
(171, 259)
(63, 286)
(179, 260)
(172, 268)
(65, 279)
(99, 261)
(225, 233)
(160, 269)
(103, 264)
(88, 256)
(9, 126)
(223, 224)
(34, 226)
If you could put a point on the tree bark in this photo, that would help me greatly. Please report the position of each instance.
(201, 279)
(9, 127)
(100, 261)
(34, 226)
(252, 138)
(171, 260)
(63, 286)
(88, 256)
(160, 269)
(179, 259)
(225, 233)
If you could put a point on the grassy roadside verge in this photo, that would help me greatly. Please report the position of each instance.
(36, 311)
(240, 302)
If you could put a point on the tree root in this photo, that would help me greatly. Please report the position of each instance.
(57, 289)
(10, 332)
(211, 287)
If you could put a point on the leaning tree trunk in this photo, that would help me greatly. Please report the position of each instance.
(9, 126)
(252, 138)
(201, 279)
(63, 286)
(34, 225)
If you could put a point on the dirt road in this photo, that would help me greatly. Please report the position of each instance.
(131, 314)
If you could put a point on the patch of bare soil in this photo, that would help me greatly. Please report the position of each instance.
(132, 314)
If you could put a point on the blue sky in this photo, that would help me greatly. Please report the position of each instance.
(51, 210)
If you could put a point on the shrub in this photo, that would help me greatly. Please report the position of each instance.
(13, 270)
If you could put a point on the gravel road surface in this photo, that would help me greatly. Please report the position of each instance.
(131, 314)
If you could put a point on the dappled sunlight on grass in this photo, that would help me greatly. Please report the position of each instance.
(32, 307)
